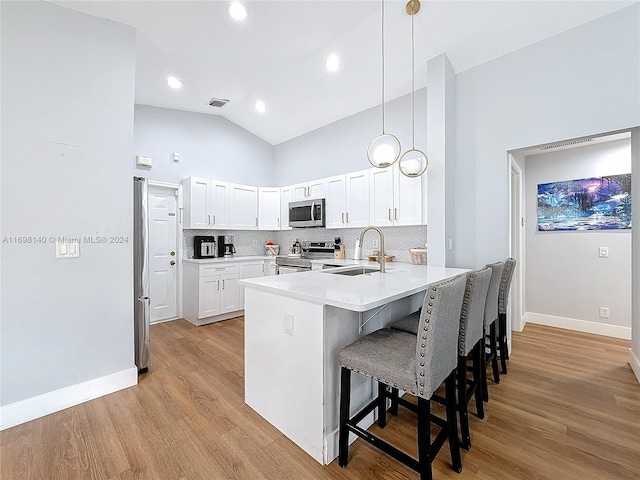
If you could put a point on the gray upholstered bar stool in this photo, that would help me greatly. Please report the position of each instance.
(503, 301)
(490, 334)
(417, 364)
(471, 346)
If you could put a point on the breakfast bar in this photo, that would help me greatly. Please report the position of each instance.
(296, 324)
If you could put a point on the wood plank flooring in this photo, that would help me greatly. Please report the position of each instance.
(568, 409)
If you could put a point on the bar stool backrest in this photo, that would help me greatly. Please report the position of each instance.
(472, 316)
(505, 284)
(436, 350)
(491, 305)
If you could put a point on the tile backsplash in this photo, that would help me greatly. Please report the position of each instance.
(398, 240)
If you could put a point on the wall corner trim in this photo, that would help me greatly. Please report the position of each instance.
(634, 362)
(35, 407)
(597, 328)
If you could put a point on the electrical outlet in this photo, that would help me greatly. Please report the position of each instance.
(375, 243)
(603, 252)
(255, 243)
(451, 244)
(604, 312)
(288, 324)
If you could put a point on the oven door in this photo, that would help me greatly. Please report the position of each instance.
(284, 269)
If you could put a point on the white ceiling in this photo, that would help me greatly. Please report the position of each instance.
(277, 54)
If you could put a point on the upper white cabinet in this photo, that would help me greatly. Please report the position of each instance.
(308, 190)
(347, 204)
(220, 206)
(206, 203)
(395, 199)
(197, 202)
(269, 208)
(243, 212)
(285, 197)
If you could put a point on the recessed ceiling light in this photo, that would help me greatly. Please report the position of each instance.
(237, 11)
(333, 63)
(174, 82)
(260, 106)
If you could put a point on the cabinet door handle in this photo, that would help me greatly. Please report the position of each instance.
(342, 217)
(256, 221)
(208, 219)
(347, 217)
(278, 222)
(390, 215)
(214, 219)
(223, 284)
(395, 214)
(180, 209)
(218, 284)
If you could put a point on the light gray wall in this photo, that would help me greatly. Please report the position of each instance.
(565, 275)
(578, 83)
(210, 146)
(67, 78)
(635, 256)
(341, 146)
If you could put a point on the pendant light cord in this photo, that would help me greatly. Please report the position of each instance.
(413, 87)
(383, 131)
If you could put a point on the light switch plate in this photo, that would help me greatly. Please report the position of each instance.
(142, 161)
(288, 324)
(67, 249)
(604, 252)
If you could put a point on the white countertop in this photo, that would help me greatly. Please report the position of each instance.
(357, 293)
(229, 259)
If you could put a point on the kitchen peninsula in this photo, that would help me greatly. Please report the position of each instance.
(296, 324)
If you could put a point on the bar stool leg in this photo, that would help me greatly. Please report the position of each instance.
(462, 402)
(454, 447)
(424, 438)
(483, 368)
(494, 352)
(477, 377)
(504, 349)
(345, 398)
(382, 405)
(394, 401)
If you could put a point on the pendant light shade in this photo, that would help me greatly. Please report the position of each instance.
(413, 162)
(383, 150)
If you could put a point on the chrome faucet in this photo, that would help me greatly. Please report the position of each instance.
(381, 254)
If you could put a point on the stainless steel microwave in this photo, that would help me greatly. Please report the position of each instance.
(307, 213)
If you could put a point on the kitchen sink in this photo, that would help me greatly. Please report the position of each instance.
(351, 272)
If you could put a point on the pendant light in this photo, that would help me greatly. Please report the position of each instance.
(413, 162)
(383, 150)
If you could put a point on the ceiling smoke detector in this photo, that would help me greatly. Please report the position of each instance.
(218, 102)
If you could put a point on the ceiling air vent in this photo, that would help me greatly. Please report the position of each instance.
(218, 102)
(566, 144)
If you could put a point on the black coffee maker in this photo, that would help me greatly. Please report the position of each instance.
(204, 247)
(225, 246)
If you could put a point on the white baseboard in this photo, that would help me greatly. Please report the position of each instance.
(579, 325)
(35, 407)
(635, 364)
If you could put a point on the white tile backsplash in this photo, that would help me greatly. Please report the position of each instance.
(398, 240)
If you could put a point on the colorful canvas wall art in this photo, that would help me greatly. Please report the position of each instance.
(602, 203)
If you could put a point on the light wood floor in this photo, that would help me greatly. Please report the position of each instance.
(568, 409)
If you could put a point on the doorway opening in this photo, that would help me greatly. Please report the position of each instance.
(557, 249)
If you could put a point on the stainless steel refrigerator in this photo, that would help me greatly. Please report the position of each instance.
(141, 312)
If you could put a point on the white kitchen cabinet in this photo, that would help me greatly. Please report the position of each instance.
(269, 208)
(206, 203)
(335, 204)
(243, 207)
(308, 190)
(407, 199)
(285, 197)
(347, 203)
(197, 202)
(270, 267)
(220, 204)
(250, 270)
(211, 292)
(395, 199)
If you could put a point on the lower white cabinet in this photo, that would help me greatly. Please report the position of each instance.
(212, 291)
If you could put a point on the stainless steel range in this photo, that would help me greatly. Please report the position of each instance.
(310, 251)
